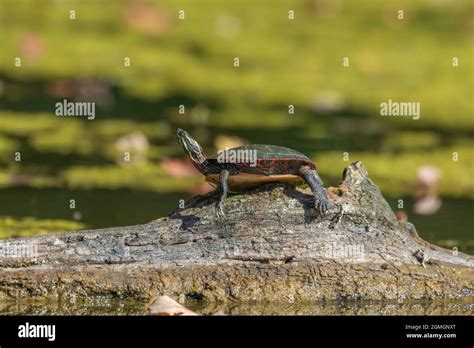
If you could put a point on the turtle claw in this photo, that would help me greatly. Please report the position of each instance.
(322, 207)
(220, 212)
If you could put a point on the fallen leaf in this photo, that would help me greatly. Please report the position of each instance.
(164, 305)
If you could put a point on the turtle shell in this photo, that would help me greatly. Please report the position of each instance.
(273, 152)
(269, 163)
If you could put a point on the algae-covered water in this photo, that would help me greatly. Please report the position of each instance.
(67, 173)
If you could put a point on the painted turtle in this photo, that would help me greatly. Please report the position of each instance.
(248, 166)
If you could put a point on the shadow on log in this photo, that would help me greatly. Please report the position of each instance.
(271, 247)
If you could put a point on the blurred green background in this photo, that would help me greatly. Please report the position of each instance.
(190, 62)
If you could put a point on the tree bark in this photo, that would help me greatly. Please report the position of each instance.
(271, 246)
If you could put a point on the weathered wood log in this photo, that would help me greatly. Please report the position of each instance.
(271, 246)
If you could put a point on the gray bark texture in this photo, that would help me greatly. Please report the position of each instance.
(272, 246)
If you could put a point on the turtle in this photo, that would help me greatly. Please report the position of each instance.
(244, 167)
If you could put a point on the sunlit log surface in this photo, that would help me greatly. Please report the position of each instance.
(271, 247)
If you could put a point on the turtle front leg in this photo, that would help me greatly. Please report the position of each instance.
(223, 176)
(313, 180)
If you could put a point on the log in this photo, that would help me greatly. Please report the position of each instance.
(272, 246)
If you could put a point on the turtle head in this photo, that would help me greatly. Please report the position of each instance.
(191, 146)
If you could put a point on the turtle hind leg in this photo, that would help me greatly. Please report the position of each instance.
(311, 177)
(223, 189)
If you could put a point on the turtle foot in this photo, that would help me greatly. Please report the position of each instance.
(220, 212)
(322, 206)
